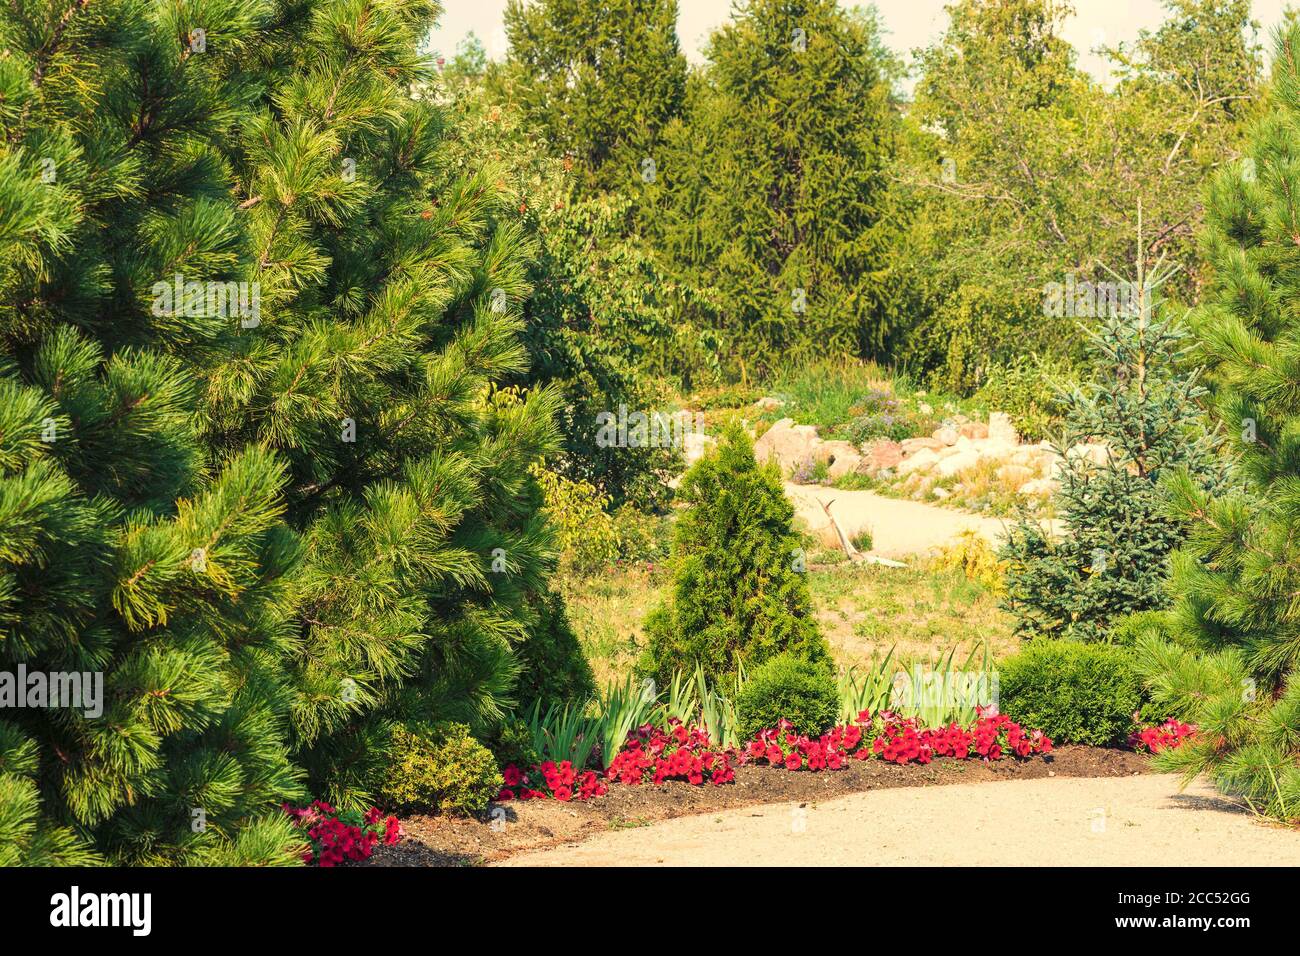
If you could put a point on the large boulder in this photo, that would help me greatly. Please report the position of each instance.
(921, 460)
(790, 445)
(879, 455)
(946, 435)
(841, 457)
(910, 445)
(973, 430)
(957, 463)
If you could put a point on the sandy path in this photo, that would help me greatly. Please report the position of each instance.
(1124, 821)
(899, 528)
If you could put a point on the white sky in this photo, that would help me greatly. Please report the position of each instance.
(911, 23)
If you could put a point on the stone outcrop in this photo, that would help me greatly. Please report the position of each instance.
(958, 447)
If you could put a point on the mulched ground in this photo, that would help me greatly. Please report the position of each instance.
(532, 824)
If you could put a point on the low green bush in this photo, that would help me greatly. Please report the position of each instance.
(512, 743)
(791, 687)
(441, 768)
(1073, 692)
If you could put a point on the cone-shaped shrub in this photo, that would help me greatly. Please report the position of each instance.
(739, 594)
(1143, 415)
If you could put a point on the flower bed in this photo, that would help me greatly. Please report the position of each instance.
(687, 754)
(339, 835)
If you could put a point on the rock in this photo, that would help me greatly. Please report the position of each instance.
(1015, 476)
(1001, 429)
(955, 464)
(829, 451)
(947, 435)
(879, 455)
(974, 430)
(941, 493)
(844, 463)
(694, 446)
(921, 460)
(910, 445)
(1040, 488)
(768, 403)
(790, 444)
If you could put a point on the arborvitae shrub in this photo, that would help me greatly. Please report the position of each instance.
(440, 769)
(792, 688)
(738, 593)
(1073, 692)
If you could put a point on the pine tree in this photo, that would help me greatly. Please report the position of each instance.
(785, 213)
(739, 594)
(1233, 635)
(599, 81)
(1112, 557)
(252, 464)
(125, 549)
(391, 297)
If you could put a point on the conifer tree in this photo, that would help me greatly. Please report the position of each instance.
(252, 465)
(390, 309)
(1112, 556)
(785, 212)
(1226, 657)
(739, 594)
(128, 553)
(599, 81)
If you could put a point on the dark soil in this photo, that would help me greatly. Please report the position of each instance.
(511, 827)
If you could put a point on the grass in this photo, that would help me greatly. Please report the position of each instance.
(608, 612)
(864, 610)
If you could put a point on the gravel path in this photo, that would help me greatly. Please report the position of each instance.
(899, 528)
(1126, 821)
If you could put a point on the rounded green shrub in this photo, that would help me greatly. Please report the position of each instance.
(512, 743)
(791, 687)
(443, 769)
(1073, 692)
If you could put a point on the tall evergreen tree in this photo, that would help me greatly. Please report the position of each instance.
(390, 308)
(125, 549)
(600, 81)
(785, 212)
(281, 515)
(1233, 646)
